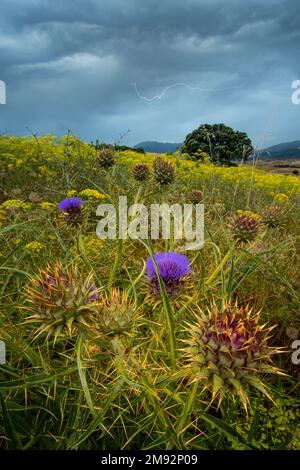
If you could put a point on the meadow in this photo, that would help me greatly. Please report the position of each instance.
(285, 167)
(112, 346)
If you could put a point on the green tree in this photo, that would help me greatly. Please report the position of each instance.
(220, 142)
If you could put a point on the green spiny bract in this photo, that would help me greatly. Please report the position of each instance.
(164, 172)
(273, 216)
(228, 350)
(106, 158)
(140, 171)
(245, 226)
(60, 300)
(116, 313)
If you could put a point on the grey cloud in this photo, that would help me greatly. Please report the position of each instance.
(73, 64)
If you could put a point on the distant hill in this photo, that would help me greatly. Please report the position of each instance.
(158, 147)
(286, 150)
(281, 151)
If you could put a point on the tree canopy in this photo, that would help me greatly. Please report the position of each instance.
(222, 143)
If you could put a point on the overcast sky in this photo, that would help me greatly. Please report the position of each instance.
(157, 67)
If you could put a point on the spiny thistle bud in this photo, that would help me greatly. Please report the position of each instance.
(140, 171)
(245, 226)
(72, 209)
(273, 216)
(164, 172)
(196, 196)
(106, 158)
(116, 312)
(229, 350)
(61, 300)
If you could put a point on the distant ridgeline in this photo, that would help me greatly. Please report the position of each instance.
(287, 150)
(158, 147)
(101, 145)
(143, 147)
(281, 151)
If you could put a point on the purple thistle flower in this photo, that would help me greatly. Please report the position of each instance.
(72, 208)
(70, 203)
(172, 267)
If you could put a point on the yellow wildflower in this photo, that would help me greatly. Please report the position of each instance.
(281, 198)
(92, 193)
(47, 205)
(19, 163)
(253, 214)
(33, 247)
(91, 246)
(71, 193)
(94, 245)
(43, 169)
(15, 204)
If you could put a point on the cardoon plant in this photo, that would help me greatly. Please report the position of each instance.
(72, 208)
(116, 312)
(172, 267)
(164, 172)
(106, 158)
(245, 226)
(60, 299)
(140, 171)
(195, 196)
(273, 216)
(229, 350)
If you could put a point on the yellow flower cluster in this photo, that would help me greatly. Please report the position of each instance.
(15, 204)
(19, 163)
(71, 193)
(43, 169)
(47, 205)
(92, 194)
(91, 246)
(33, 247)
(281, 198)
(245, 175)
(44, 160)
(253, 214)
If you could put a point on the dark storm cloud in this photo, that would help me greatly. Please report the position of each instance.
(73, 64)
